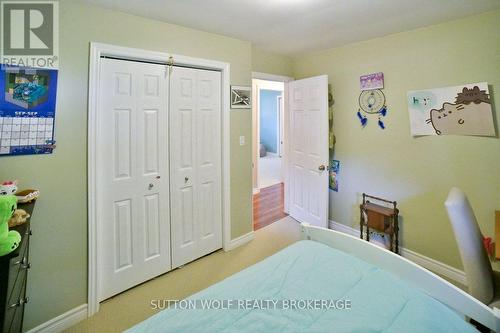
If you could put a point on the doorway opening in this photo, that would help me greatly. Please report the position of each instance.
(268, 149)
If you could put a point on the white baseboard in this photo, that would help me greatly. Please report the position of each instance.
(239, 241)
(435, 266)
(62, 322)
(431, 264)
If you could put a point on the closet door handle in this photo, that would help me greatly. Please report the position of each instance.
(186, 179)
(20, 302)
(21, 262)
(150, 186)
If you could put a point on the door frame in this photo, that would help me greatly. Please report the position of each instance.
(256, 131)
(97, 50)
(279, 124)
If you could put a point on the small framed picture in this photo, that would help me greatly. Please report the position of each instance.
(372, 81)
(241, 97)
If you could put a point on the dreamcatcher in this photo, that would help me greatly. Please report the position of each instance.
(372, 102)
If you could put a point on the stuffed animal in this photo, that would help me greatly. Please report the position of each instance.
(9, 240)
(19, 217)
(8, 188)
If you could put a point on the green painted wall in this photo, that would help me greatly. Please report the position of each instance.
(58, 280)
(271, 63)
(417, 172)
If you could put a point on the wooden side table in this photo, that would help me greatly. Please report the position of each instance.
(380, 218)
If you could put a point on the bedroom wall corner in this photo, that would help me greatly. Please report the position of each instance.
(417, 172)
(271, 63)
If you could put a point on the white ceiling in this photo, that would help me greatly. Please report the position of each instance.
(296, 26)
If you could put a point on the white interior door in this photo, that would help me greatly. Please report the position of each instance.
(308, 160)
(133, 177)
(195, 161)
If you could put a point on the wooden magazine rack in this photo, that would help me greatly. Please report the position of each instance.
(379, 218)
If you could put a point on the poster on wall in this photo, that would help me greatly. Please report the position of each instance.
(334, 175)
(459, 110)
(371, 81)
(27, 110)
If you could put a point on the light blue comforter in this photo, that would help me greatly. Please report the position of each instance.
(380, 302)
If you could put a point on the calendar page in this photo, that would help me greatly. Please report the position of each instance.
(27, 110)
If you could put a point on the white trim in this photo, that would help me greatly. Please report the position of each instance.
(435, 266)
(256, 190)
(280, 125)
(431, 264)
(408, 271)
(271, 77)
(286, 148)
(278, 132)
(96, 51)
(239, 241)
(62, 322)
(255, 135)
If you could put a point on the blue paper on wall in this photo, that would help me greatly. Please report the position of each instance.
(27, 110)
(334, 175)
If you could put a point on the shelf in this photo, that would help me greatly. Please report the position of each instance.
(389, 212)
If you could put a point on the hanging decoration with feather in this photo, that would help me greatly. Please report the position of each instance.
(372, 99)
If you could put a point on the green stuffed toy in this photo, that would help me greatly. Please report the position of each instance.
(9, 240)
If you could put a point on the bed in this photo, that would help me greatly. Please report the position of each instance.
(351, 286)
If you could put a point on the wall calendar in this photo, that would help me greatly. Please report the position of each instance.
(27, 110)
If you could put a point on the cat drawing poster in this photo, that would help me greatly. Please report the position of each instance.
(460, 110)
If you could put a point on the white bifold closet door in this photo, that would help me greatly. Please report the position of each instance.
(133, 178)
(195, 162)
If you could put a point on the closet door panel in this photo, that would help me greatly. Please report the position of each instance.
(209, 161)
(195, 143)
(133, 195)
(153, 221)
(182, 163)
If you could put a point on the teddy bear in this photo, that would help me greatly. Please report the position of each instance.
(8, 188)
(18, 217)
(9, 240)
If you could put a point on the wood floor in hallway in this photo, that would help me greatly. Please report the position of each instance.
(268, 206)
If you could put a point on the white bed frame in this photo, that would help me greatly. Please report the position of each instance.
(411, 273)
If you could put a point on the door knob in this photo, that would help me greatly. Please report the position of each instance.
(150, 186)
(321, 167)
(186, 179)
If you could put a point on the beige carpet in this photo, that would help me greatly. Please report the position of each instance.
(133, 306)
